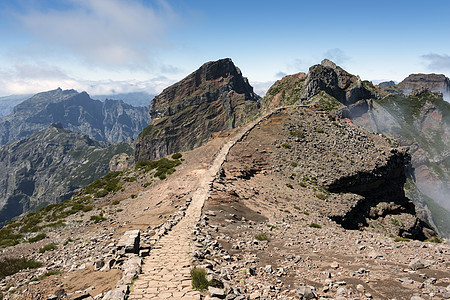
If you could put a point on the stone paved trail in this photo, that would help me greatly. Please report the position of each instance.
(166, 272)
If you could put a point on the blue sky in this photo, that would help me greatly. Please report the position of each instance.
(107, 46)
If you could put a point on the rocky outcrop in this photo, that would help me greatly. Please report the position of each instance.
(48, 166)
(326, 78)
(433, 82)
(420, 121)
(184, 115)
(111, 121)
(325, 165)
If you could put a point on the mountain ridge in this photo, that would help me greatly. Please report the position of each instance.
(111, 121)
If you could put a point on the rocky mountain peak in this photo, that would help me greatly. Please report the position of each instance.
(326, 83)
(213, 98)
(210, 76)
(336, 82)
(433, 82)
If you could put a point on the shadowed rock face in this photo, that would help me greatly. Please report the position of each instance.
(111, 121)
(184, 115)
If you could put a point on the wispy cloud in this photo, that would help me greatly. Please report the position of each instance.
(437, 62)
(34, 78)
(336, 55)
(104, 33)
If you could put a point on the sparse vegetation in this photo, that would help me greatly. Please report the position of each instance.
(293, 164)
(273, 226)
(48, 247)
(177, 155)
(289, 186)
(435, 239)
(163, 167)
(314, 225)
(50, 273)
(115, 202)
(37, 238)
(98, 219)
(285, 145)
(133, 196)
(262, 237)
(401, 239)
(10, 266)
(321, 196)
(199, 281)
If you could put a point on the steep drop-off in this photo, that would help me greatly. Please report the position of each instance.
(48, 166)
(111, 121)
(213, 98)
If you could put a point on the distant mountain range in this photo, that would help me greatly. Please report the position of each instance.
(135, 99)
(7, 103)
(48, 166)
(111, 121)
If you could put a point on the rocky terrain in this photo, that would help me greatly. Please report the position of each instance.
(271, 226)
(326, 85)
(433, 82)
(48, 167)
(111, 121)
(419, 120)
(7, 103)
(299, 203)
(213, 98)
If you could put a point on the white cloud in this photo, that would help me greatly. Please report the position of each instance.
(261, 87)
(336, 55)
(105, 33)
(437, 62)
(34, 78)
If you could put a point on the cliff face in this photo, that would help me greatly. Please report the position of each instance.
(421, 122)
(433, 82)
(319, 163)
(340, 87)
(111, 121)
(48, 166)
(183, 116)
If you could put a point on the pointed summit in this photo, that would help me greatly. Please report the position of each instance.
(213, 98)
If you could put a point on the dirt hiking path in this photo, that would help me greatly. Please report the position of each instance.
(166, 271)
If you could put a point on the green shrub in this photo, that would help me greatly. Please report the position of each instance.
(115, 202)
(306, 213)
(37, 238)
(262, 237)
(289, 186)
(133, 196)
(199, 281)
(130, 179)
(297, 207)
(10, 266)
(101, 193)
(48, 247)
(321, 196)
(98, 219)
(314, 225)
(401, 239)
(8, 237)
(285, 145)
(273, 226)
(435, 239)
(177, 155)
(293, 164)
(50, 273)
